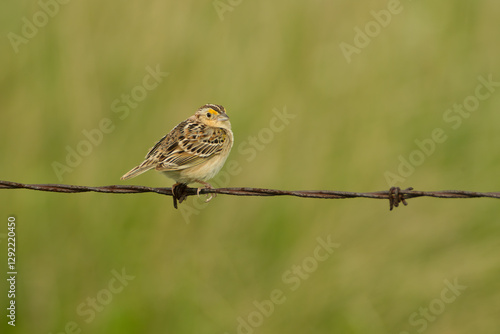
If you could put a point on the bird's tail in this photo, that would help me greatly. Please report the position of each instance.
(137, 171)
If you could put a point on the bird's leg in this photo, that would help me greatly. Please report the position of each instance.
(207, 186)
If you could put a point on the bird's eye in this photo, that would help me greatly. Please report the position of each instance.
(209, 115)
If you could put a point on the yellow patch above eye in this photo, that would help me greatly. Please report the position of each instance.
(213, 112)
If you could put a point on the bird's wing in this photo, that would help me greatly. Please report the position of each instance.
(191, 145)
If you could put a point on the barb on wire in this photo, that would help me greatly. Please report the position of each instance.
(395, 195)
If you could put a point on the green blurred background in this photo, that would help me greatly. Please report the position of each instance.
(204, 268)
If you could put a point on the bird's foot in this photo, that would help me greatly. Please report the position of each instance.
(179, 193)
(206, 186)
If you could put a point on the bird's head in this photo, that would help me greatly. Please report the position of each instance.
(213, 115)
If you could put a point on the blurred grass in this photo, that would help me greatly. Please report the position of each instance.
(352, 122)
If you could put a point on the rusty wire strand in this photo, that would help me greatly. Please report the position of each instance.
(395, 195)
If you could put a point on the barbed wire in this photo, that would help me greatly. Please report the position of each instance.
(395, 195)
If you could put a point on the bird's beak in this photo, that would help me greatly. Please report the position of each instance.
(223, 117)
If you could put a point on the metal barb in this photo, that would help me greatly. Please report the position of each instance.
(396, 197)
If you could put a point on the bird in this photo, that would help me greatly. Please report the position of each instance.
(193, 151)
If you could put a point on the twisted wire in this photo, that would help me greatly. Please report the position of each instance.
(395, 195)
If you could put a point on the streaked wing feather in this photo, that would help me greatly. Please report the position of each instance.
(187, 145)
(195, 144)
